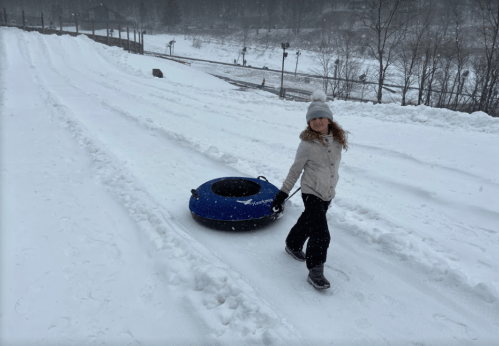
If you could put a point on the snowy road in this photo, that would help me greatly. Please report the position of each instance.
(101, 156)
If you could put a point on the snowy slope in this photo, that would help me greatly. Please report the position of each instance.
(98, 245)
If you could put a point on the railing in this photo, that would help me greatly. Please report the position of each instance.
(290, 93)
(298, 92)
(38, 23)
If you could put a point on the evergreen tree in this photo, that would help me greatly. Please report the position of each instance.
(171, 14)
(142, 13)
(56, 12)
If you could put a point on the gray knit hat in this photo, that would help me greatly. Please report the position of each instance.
(318, 109)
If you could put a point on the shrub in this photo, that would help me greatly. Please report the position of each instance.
(196, 43)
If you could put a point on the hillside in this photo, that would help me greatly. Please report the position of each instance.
(98, 246)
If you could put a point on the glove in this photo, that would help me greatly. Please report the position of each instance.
(278, 203)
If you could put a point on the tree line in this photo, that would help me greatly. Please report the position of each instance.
(441, 53)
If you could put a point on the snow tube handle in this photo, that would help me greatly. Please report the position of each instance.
(195, 194)
(261, 176)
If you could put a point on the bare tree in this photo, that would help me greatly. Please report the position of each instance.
(172, 15)
(260, 8)
(143, 15)
(489, 61)
(246, 26)
(347, 66)
(228, 13)
(445, 70)
(327, 23)
(365, 77)
(409, 51)
(386, 27)
(454, 56)
(429, 61)
(325, 57)
(462, 57)
(432, 61)
(271, 11)
(298, 9)
(332, 23)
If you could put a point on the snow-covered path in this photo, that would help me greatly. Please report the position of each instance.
(102, 157)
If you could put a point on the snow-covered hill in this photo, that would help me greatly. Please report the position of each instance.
(98, 246)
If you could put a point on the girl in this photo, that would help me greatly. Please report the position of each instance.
(318, 156)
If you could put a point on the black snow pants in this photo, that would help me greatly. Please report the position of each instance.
(311, 225)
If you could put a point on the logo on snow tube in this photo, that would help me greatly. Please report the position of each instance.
(249, 202)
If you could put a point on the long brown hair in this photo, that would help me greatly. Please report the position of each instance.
(339, 135)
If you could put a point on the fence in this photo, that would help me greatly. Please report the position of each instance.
(289, 93)
(39, 24)
(298, 94)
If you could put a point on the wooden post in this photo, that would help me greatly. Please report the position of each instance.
(76, 23)
(107, 29)
(5, 16)
(60, 24)
(24, 25)
(128, 38)
(134, 41)
(142, 33)
(43, 25)
(138, 32)
(119, 35)
(93, 31)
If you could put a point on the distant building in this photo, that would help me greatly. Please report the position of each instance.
(101, 16)
(356, 5)
(348, 5)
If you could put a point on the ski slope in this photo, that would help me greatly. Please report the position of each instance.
(98, 245)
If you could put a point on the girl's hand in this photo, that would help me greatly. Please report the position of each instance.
(278, 203)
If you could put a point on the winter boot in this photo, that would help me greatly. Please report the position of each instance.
(298, 255)
(316, 277)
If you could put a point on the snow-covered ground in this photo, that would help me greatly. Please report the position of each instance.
(228, 50)
(98, 246)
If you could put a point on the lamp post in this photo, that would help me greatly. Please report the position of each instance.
(465, 74)
(460, 87)
(76, 23)
(363, 79)
(243, 51)
(298, 53)
(284, 55)
(171, 45)
(142, 33)
(336, 64)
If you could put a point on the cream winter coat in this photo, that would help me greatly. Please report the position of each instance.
(319, 164)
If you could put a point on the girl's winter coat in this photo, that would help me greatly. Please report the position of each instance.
(320, 164)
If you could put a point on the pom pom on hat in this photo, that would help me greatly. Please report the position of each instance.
(318, 109)
(318, 95)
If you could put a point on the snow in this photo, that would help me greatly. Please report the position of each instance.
(98, 158)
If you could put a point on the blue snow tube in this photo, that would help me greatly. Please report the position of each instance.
(234, 203)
